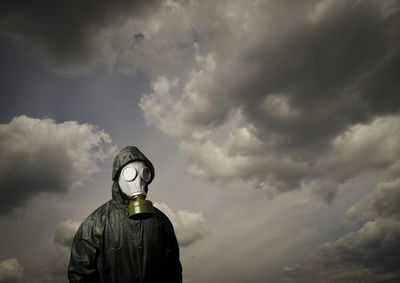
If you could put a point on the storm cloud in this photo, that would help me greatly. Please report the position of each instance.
(370, 254)
(382, 202)
(298, 99)
(66, 32)
(41, 156)
(279, 107)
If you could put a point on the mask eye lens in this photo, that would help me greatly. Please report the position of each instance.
(146, 174)
(129, 173)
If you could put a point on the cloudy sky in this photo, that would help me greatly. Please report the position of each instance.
(274, 129)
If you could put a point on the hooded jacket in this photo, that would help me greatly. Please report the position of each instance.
(111, 247)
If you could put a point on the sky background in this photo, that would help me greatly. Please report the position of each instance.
(273, 126)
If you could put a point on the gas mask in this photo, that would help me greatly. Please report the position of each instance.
(133, 183)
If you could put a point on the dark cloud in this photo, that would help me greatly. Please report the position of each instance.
(335, 71)
(64, 31)
(370, 254)
(382, 202)
(295, 93)
(41, 156)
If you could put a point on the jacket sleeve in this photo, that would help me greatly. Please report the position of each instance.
(83, 260)
(174, 268)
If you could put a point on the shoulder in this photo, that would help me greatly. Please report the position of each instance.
(163, 218)
(158, 213)
(94, 223)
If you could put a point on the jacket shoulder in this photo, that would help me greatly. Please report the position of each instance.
(163, 218)
(93, 224)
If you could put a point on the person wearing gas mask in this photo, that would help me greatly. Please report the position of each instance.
(126, 239)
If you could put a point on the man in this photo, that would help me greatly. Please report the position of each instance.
(126, 240)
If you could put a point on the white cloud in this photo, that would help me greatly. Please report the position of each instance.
(39, 155)
(55, 268)
(65, 232)
(361, 149)
(324, 7)
(278, 106)
(189, 227)
(307, 206)
(173, 112)
(162, 107)
(11, 270)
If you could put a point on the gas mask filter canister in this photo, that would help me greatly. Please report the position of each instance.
(133, 183)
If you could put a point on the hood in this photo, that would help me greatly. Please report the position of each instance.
(126, 155)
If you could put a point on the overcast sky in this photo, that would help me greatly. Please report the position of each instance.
(274, 129)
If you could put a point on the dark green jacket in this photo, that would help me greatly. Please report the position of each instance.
(111, 247)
